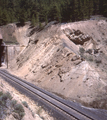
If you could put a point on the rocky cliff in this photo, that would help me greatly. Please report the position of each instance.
(68, 60)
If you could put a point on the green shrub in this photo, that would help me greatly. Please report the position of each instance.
(13, 103)
(81, 50)
(21, 114)
(16, 116)
(25, 104)
(6, 96)
(18, 108)
(1, 93)
(89, 51)
(2, 103)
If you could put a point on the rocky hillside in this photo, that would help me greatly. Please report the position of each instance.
(68, 60)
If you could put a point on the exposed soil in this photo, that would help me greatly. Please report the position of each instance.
(69, 60)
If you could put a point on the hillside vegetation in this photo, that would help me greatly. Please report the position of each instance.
(38, 11)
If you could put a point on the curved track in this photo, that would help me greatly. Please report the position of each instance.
(53, 100)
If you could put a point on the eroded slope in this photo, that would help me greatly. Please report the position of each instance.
(69, 60)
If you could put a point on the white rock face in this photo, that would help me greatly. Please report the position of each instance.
(21, 35)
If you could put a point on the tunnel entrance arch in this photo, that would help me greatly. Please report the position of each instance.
(2, 51)
(8, 53)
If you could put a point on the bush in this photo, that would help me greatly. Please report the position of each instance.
(81, 50)
(16, 116)
(25, 104)
(89, 51)
(1, 93)
(17, 110)
(8, 95)
(2, 103)
(4, 97)
(20, 110)
(13, 103)
(21, 114)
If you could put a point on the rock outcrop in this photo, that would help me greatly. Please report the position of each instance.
(77, 36)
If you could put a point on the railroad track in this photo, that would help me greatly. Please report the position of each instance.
(53, 100)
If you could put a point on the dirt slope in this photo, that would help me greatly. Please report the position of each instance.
(69, 60)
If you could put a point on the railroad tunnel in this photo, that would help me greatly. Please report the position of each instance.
(8, 52)
(2, 50)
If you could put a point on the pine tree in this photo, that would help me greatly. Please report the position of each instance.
(37, 18)
(101, 9)
(96, 7)
(33, 21)
(22, 17)
(5, 17)
(91, 7)
(105, 8)
(49, 10)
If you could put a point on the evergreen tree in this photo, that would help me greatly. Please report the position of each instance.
(38, 11)
(101, 9)
(91, 7)
(105, 8)
(96, 6)
(37, 18)
(5, 17)
(33, 21)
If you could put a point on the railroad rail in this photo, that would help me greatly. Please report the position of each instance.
(68, 109)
